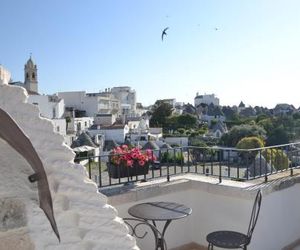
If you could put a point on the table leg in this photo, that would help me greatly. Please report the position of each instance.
(160, 240)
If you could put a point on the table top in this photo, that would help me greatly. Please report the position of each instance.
(159, 211)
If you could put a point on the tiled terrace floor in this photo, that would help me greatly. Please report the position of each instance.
(191, 246)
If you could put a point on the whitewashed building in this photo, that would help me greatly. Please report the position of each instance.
(105, 119)
(140, 110)
(91, 103)
(206, 99)
(53, 108)
(170, 101)
(115, 132)
(127, 98)
(5, 75)
(50, 105)
(79, 124)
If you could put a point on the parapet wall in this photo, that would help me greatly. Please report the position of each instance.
(83, 217)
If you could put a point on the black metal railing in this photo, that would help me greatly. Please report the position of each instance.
(220, 162)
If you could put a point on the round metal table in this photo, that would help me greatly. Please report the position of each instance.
(160, 211)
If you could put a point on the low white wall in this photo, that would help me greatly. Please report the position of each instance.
(217, 207)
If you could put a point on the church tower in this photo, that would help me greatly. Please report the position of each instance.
(30, 82)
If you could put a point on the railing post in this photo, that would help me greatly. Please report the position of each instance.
(228, 167)
(271, 159)
(168, 165)
(100, 172)
(212, 163)
(254, 167)
(260, 161)
(107, 164)
(247, 165)
(153, 165)
(266, 167)
(289, 153)
(175, 159)
(188, 159)
(220, 166)
(90, 170)
(181, 159)
(203, 160)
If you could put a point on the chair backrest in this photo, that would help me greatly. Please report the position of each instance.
(254, 214)
(140, 228)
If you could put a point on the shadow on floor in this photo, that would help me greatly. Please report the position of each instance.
(190, 246)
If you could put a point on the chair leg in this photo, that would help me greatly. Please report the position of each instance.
(210, 246)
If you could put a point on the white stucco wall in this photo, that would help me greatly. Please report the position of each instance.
(73, 99)
(114, 134)
(79, 100)
(127, 98)
(111, 134)
(4, 75)
(48, 108)
(85, 123)
(84, 219)
(91, 105)
(59, 126)
(207, 99)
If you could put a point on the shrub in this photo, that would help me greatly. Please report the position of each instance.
(171, 157)
(181, 131)
(249, 143)
(277, 158)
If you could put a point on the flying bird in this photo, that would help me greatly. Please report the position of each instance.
(15, 137)
(164, 33)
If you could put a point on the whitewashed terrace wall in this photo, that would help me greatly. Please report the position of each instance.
(84, 219)
(225, 206)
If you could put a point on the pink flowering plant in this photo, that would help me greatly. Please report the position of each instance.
(126, 156)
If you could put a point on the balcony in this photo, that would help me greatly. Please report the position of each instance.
(220, 188)
(216, 206)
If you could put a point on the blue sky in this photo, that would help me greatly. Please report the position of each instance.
(254, 56)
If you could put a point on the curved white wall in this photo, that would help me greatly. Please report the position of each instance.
(84, 219)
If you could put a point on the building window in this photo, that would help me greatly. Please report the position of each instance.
(78, 126)
(85, 124)
(33, 75)
(57, 128)
(35, 103)
(53, 113)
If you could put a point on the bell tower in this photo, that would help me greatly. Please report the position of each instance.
(30, 71)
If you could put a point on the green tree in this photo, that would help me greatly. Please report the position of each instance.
(160, 112)
(278, 136)
(187, 121)
(238, 132)
(267, 124)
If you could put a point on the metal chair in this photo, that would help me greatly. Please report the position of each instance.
(232, 239)
(139, 228)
